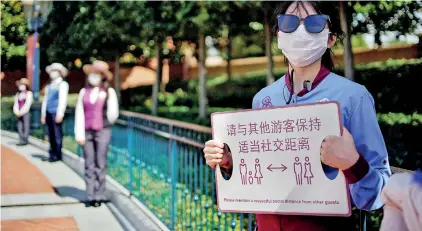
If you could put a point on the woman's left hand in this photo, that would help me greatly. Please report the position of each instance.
(339, 152)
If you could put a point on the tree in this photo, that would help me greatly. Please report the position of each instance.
(204, 16)
(108, 28)
(268, 42)
(14, 31)
(103, 30)
(232, 25)
(380, 16)
(266, 15)
(375, 17)
(348, 53)
(55, 38)
(164, 21)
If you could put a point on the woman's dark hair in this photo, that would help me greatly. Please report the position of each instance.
(328, 8)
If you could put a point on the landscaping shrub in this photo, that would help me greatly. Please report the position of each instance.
(402, 137)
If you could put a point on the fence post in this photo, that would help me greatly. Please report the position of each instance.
(174, 166)
(130, 141)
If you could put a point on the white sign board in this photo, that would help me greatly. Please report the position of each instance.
(276, 161)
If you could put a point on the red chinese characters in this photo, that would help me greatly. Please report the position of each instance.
(266, 146)
(278, 145)
(291, 144)
(231, 130)
(241, 129)
(253, 128)
(251, 143)
(276, 126)
(303, 143)
(314, 124)
(289, 125)
(301, 125)
(265, 128)
(243, 147)
(254, 146)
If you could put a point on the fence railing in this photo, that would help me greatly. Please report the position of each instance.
(160, 162)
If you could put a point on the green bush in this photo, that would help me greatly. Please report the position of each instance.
(393, 84)
(135, 96)
(402, 137)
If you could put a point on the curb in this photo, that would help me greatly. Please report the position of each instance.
(131, 213)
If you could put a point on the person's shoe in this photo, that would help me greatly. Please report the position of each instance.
(88, 204)
(21, 144)
(53, 159)
(97, 204)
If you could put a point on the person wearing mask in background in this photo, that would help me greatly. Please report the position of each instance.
(96, 110)
(21, 107)
(306, 32)
(402, 196)
(54, 107)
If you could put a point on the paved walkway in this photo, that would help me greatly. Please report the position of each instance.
(38, 195)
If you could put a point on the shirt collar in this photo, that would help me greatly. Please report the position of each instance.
(323, 72)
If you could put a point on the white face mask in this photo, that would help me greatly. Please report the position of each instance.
(22, 88)
(302, 48)
(54, 75)
(94, 79)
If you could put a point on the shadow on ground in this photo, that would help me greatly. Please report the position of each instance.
(68, 191)
(40, 156)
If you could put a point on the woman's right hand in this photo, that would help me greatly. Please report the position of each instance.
(215, 153)
(42, 119)
(81, 142)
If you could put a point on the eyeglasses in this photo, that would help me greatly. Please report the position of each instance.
(315, 23)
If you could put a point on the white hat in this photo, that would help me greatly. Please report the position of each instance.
(57, 67)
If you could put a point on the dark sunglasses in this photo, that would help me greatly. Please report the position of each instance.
(315, 23)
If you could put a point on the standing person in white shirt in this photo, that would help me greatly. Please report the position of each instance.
(96, 110)
(54, 107)
(21, 107)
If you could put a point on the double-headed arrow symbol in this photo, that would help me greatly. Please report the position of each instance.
(283, 168)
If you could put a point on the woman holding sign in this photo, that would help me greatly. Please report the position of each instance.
(306, 32)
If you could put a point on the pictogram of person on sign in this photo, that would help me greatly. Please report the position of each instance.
(297, 167)
(243, 171)
(308, 172)
(258, 174)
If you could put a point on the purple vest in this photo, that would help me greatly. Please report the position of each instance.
(94, 113)
(21, 101)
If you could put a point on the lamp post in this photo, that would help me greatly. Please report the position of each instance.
(35, 13)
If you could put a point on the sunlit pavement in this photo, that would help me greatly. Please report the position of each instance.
(39, 195)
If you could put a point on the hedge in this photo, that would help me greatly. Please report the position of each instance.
(392, 83)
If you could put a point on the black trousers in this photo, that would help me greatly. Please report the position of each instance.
(55, 136)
